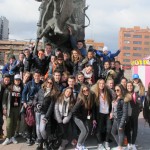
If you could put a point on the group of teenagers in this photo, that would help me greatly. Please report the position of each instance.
(55, 98)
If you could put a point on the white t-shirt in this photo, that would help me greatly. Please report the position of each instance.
(104, 107)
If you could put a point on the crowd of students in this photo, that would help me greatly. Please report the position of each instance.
(54, 98)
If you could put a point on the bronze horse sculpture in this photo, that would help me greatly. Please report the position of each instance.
(56, 16)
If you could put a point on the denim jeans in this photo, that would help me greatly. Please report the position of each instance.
(117, 134)
(40, 126)
(84, 130)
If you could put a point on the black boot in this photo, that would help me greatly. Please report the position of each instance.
(40, 145)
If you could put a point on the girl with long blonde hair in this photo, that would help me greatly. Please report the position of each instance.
(76, 59)
(101, 116)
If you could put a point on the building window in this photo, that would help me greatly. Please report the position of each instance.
(137, 36)
(127, 42)
(137, 48)
(126, 54)
(137, 42)
(146, 43)
(137, 54)
(147, 36)
(127, 35)
(126, 60)
(146, 55)
(126, 48)
(146, 49)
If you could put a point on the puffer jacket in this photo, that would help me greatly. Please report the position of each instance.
(109, 57)
(46, 102)
(134, 108)
(58, 112)
(122, 112)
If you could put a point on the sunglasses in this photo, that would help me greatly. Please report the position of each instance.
(117, 90)
(50, 83)
(85, 90)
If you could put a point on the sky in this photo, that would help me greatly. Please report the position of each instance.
(106, 18)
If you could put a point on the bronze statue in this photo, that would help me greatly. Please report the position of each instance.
(56, 16)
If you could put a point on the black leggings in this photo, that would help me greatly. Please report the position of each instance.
(131, 129)
(103, 128)
(31, 132)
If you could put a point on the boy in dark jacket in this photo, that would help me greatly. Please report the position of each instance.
(30, 90)
(41, 62)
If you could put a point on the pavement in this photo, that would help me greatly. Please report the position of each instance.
(142, 142)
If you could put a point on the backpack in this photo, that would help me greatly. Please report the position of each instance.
(29, 117)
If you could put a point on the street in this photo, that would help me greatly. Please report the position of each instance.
(143, 140)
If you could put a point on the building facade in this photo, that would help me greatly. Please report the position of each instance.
(96, 45)
(13, 47)
(4, 28)
(134, 43)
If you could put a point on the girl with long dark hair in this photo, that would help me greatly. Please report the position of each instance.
(44, 103)
(82, 112)
(119, 115)
(134, 109)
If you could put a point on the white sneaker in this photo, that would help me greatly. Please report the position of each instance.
(100, 147)
(106, 144)
(134, 147)
(84, 148)
(129, 147)
(78, 147)
(115, 148)
(14, 140)
(7, 141)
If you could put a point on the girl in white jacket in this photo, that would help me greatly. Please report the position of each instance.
(63, 114)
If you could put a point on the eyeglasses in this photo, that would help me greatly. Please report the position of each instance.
(85, 90)
(117, 90)
(49, 83)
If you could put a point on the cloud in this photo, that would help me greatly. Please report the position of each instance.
(106, 18)
(22, 15)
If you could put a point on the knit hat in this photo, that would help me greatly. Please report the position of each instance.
(105, 48)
